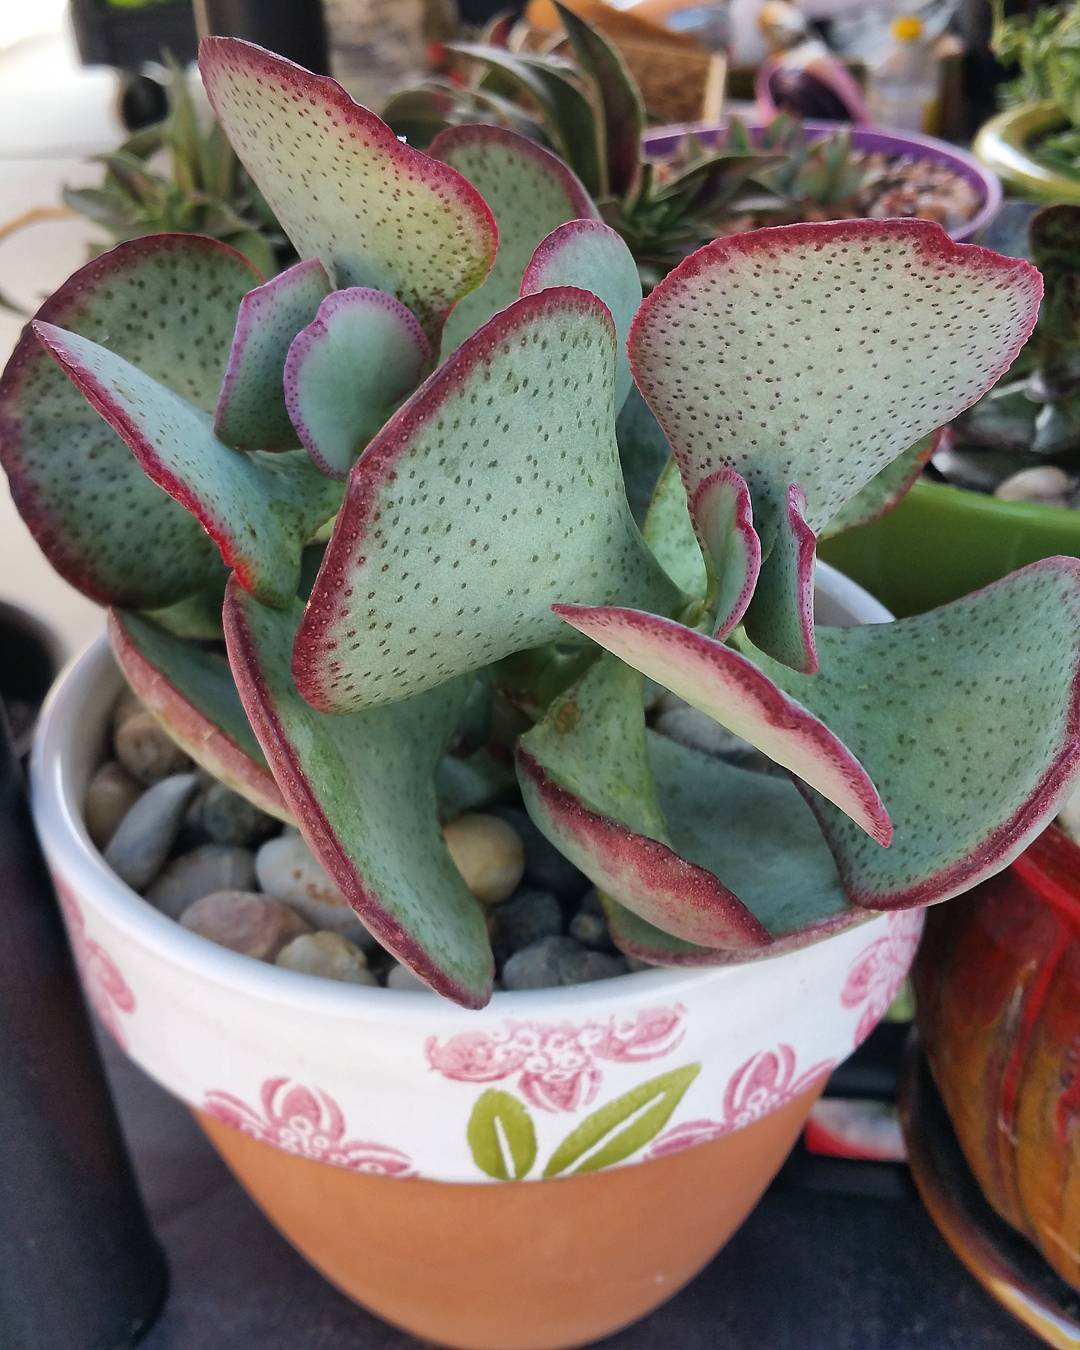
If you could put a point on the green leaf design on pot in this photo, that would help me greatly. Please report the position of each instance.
(647, 1108)
(501, 1135)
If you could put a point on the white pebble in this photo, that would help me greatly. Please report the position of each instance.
(1069, 815)
(402, 978)
(1046, 485)
(328, 955)
(287, 869)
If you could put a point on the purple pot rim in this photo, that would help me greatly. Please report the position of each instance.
(665, 139)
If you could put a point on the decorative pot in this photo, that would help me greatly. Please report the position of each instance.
(1002, 145)
(943, 542)
(536, 1174)
(665, 140)
(998, 993)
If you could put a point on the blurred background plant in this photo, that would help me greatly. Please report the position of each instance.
(1044, 44)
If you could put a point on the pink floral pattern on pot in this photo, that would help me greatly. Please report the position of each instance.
(309, 1123)
(758, 1087)
(880, 969)
(556, 1063)
(106, 990)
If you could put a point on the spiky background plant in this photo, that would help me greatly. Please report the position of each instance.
(437, 384)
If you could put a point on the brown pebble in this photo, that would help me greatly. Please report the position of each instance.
(489, 854)
(111, 794)
(328, 955)
(146, 750)
(245, 922)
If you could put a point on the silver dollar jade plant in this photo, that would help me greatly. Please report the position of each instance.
(403, 461)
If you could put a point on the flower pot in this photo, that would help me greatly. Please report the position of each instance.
(1002, 145)
(664, 141)
(536, 1174)
(943, 542)
(998, 987)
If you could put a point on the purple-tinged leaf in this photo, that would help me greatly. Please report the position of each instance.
(375, 212)
(259, 509)
(104, 526)
(780, 617)
(347, 371)
(362, 790)
(968, 718)
(251, 413)
(591, 255)
(529, 191)
(731, 689)
(469, 515)
(724, 520)
(191, 692)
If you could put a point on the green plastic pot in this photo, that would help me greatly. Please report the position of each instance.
(942, 542)
(1002, 145)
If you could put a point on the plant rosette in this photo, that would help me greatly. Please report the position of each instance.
(1004, 145)
(374, 1085)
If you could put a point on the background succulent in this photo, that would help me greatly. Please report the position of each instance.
(446, 396)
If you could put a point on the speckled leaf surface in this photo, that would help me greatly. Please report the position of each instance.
(643, 452)
(888, 486)
(260, 509)
(529, 191)
(251, 412)
(348, 369)
(586, 780)
(728, 687)
(780, 614)
(362, 791)
(669, 532)
(973, 744)
(724, 520)
(590, 254)
(166, 303)
(493, 493)
(375, 212)
(190, 690)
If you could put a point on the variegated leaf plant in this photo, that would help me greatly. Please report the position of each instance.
(408, 450)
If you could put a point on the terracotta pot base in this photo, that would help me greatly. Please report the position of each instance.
(527, 1266)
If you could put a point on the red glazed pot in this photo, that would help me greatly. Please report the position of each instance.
(998, 990)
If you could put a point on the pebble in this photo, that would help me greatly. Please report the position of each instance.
(286, 868)
(1069, 816)
(545, 867)
(697, 730)
(111, 795)
(402, 978)
(227, 818)
(489, 854)
(522, 920)
(199, 872)
(539, 966)
(583, 966)
(145, 836)
(589, 925)
(1047, 485)
(328, 955)
(126, 705)
(245, 922)
(145, 749)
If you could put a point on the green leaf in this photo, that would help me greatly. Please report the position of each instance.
(501, 1135)
(651, 1105)
(887, 487)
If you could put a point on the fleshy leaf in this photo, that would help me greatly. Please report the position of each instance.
(974, 745)
(492, 493)
(780, 616)
(260, 509)
(529, 191)
(501, 1136)
(724, 519)
(375, 212)
(362, 791)
(590, 254)
(251, 412)
(731, 689)
(729, 863)
(191, 692)
(348, 369)
(754, 356)
(887, 487)
(643, 452)
(669, 532)
(102, 524)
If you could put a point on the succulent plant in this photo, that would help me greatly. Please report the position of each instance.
(434, 529)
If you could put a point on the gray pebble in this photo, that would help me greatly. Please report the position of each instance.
(539, 966)
(698, 731)
(145, 749)
(227, 818)
(522, 920)
(545, 867)
(111, 795)
(591, 930)
(287, 869)
(401, 977)
(202, 871)
(327, 955)
(583, 966)
(245, 922)
(144, 837)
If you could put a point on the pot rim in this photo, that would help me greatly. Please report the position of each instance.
(875, 138)
(985, 503)
(58, 818)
